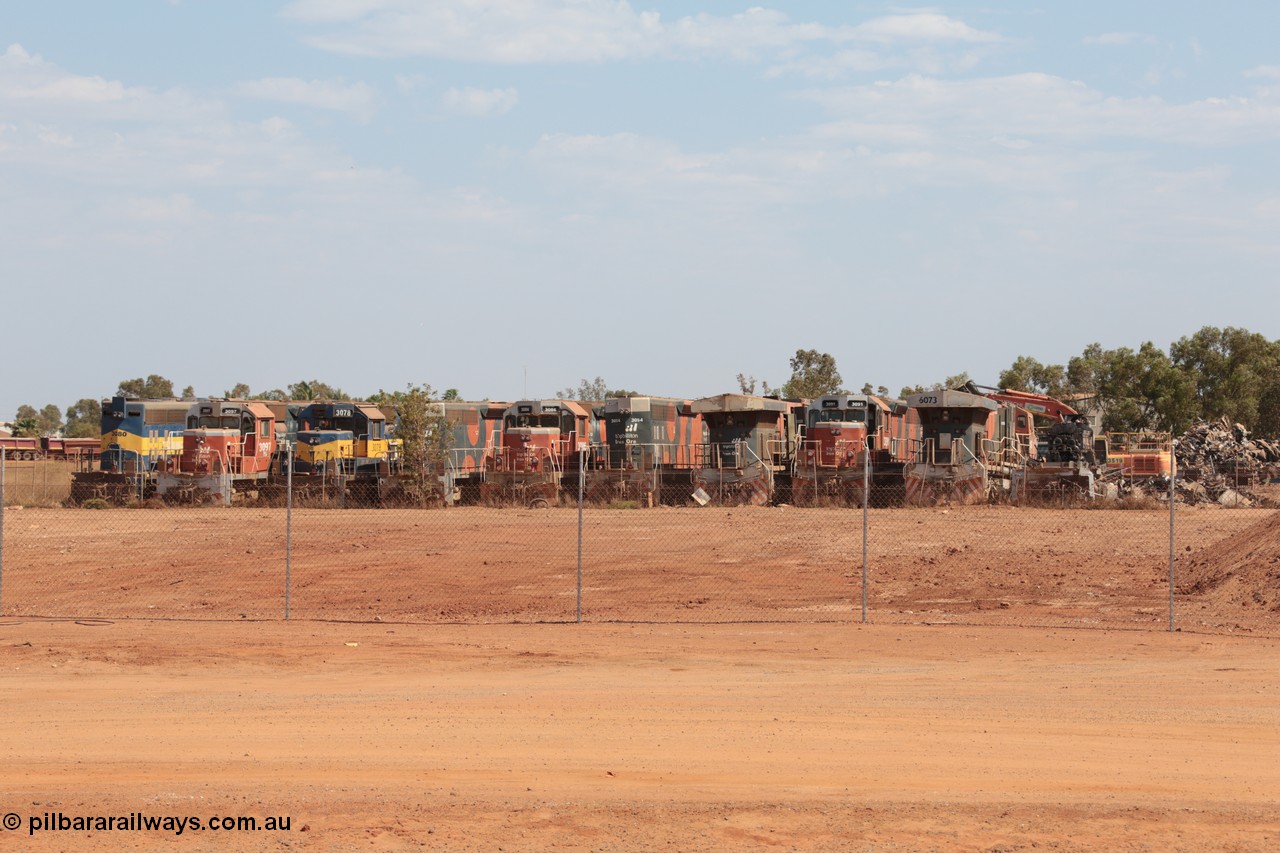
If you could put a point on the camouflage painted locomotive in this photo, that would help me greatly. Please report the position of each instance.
(648, 450)
(473, 435)
(851, 439)
(475, 438)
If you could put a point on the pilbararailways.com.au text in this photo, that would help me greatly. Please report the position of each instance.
(139, 822)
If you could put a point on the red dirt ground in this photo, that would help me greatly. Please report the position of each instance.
(980, 565)
(1242, 572)
(620, 737)
(982, 733)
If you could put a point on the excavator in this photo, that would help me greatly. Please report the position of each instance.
(1071, 460)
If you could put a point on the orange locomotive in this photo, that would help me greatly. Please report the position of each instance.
(228, 448)
(543, 441)
(842, 433)
(970, 448)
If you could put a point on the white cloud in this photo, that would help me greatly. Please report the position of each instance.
(1042, 106)
(474, 30)
(54, 138)
(355, 99)
(919, 27)
(27, 77)
(148, 143)
(32, 87)
(1119, 39)
(1267, 72)
(409, 83)
(480, 102)
(532, 31)
(176, 209)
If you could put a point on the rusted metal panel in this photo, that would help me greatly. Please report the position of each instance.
(725, 403)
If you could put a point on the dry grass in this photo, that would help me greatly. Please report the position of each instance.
(43, 483)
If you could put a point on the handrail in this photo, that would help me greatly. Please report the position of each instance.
(768, 469)
(652, 454)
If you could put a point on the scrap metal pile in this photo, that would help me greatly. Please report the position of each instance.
(1219, 462)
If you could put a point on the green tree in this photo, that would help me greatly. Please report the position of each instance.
(1132, 390)
(1269, 411)
(747, 385)
(154, 386)
(29, 423)
(84, 419)
(239, 391)
(956, 381)
(450, 394)
(1027, 374)
(1230, 368)
(1135, 389)
(877, 391)
(588, 389)
(315, 390)
(26, 422)
(813, 374)
(425, 437)
(50, 419)
(26, 427)
(189, 392)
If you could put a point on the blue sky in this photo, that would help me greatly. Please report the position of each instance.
(468, 193)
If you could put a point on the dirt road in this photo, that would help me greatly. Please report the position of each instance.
(600, 737)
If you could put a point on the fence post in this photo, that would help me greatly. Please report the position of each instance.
(288, 527)
(2, 467)
(866, 502)
(1172, 502)
(582, 480)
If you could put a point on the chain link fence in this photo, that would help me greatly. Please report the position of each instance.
(1116, 565)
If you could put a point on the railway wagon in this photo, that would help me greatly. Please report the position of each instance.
(228, 448)
(136, 435)
(342, 450)
(543, 442)
(970, 448)
(748, 455)
(50, 447)
(841, 434)
(70, 449)
(19, 448)
(648, 451)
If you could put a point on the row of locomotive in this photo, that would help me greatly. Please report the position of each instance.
(216, 448)
(939, 446)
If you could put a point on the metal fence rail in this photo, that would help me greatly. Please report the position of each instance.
(1148, 568)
